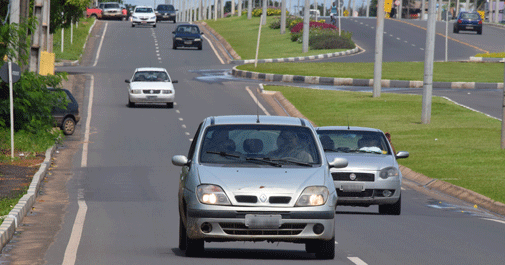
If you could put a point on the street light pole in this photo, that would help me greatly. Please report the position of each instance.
(379, 39)
(305, 36)
(428, 63)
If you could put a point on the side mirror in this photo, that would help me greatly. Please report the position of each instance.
(339, 162)
(201, 33)
(173, 32)
(127, 81)
(175, 81)
(179, 160)
(402, 154)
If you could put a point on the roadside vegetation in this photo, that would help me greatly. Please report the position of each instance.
(491, 55)
(72, 51)
(443, 71)
(459, 146)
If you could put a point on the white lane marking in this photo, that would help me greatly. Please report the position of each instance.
(357, 261)
(422, 49)
(181, 119)
(414, 45)
(398, 38)
(100, 46)
(402, 188)
(390, 35)
(257, 102)
(177, 111)
(184, 126)
(405, 41)
(499, 221)
(70, 255)
(214, 49)
(187, 133)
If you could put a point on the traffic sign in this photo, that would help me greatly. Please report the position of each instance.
(16, 72)
(397, 2)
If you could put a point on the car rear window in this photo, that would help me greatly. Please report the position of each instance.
(471, 16)
(111, 6)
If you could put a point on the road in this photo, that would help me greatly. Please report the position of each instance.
(122, 187)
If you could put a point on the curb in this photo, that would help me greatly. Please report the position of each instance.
(359, 82)
(487, 60)
(466, 195)
(23, 207)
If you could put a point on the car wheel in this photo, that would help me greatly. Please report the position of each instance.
(170, 105)
(154, 26)
(131, 104)
(194, 247)
(182, 235)
(174, 21)
(200, 47)
(391, 209)
(326, 249)
(68, 126)
(174, 47)
(133, 25)
(479, 32)
(455, 30)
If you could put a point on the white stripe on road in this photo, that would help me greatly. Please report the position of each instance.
(495, 220)
(357, 261)
(100, 46)
(214, 49)
(257, 102)
(75, 237)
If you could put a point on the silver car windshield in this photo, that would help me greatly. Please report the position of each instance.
(270, 145)
(354, 141)
(150, 76)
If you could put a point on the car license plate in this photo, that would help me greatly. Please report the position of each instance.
(144, 22)
(188, 42)
(257, 221)
(151, 97)
(469, 27)
(165, 15)
(354, 187)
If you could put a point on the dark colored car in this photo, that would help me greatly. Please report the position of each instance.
(165, 13)
(66, 119)
(187, 35)
(469, 21)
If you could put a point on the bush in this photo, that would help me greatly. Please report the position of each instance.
(299, 27)
(276, 24)
(271, 11)
(324, 39)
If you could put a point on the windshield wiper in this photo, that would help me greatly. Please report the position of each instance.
(291, 161)
(224, 154)
(264, 160)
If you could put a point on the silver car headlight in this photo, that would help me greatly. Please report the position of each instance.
(136, 91)
(167, 92)
(389, 172)
(212, 194)
(154, 17)
(135, 17)
(313, 196)
(198, 39)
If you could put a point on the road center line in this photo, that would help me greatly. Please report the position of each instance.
(100, 46)
(357, 261)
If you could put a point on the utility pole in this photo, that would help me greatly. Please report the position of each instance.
(447, 30)
(239, 8)
(423, 7)
(367, 8)
(439, 10)
(305, 36)
(264, 12)
(249, 9)
(283, 17)
(401, 9)
(429, 54)
(503, 116)
(37, 41)
(232, 8)
(379, 36)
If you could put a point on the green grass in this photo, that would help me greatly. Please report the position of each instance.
(458, 146)
(491, 55)
(242, 34)
(24, 142)
(443, 71)
(6, 204)
(72, 51)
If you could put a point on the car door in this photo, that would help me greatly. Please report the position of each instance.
(186, 170)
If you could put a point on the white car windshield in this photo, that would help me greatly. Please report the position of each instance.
(273, 145)
(144, 10)
(151, 76)
(354, 141)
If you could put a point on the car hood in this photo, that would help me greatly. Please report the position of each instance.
(368, 162)
(151, 85)
(264, 180)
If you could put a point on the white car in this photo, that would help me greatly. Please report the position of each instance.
(143, 15)
(151, 85)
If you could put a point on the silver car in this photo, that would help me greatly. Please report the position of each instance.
(372, 176)
(257, 178)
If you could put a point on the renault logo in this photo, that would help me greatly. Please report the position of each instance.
(352, 176)
(263, 198)
(152, 92)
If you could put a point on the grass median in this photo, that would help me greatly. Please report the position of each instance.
(410, 71)
(459, 146)
(242, 34)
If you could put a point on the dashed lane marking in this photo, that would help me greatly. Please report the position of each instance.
(357, 261)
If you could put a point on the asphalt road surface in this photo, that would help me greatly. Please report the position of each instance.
(122, 187)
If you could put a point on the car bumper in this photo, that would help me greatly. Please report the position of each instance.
(372, 193)
(187, 43)
(297, 224)
(143, 22)
(469, 27)
(158, 98)
(165, 17)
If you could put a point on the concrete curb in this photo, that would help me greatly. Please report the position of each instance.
(359, 82)
(422, 180)
(220, 38)
(487, 60)
(23, 207)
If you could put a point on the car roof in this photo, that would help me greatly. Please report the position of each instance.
(151, 69)
(253, 119)
(186, 25)
(346, 128)
(143, 7)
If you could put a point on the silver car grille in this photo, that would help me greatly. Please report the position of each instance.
(241, 229)
(271, 199)
(151, 91)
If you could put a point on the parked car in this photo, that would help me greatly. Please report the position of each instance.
(112, 10)
(187, 35)
(257, 178)
(165, 13)
(469, 21)
(373, 176)
(95, 12)
(151, 85)
(66, 119)
(143, 15)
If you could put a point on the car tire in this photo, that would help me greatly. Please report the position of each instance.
(391, 209)
(133, 25)
(131, 104)
(170, 105)
(182, 235)
(154, 26)
(200, 47)
(326, 249)
(174, 47)
(479, 32)
(68, 126)
(194, 247)
(174, 21)
(455, 30)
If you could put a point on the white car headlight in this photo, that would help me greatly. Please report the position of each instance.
(167, 91)
(136, 91)
(178, 38)
(313, 196)
(389, 172)
(212, 194)
(135, 17)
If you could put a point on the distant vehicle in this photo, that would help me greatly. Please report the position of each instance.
(143, 15)
(314, 13)
(94, 12)
(165, 13)
(151, 85)
(373, 176)
(112, 10)
(256, 178)
(468, 21)
(66, 119)
(187, 35)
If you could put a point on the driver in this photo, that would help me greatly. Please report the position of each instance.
(292, 147)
